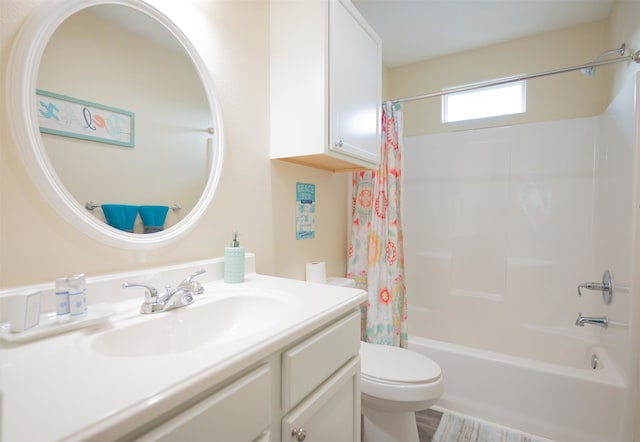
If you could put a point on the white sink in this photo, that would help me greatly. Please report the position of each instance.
(203, 323)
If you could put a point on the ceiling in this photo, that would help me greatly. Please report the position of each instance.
(415, 30)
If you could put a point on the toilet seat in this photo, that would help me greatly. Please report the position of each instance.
(397, 374)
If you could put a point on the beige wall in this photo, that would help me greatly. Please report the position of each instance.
(256, 195)
(549, 98)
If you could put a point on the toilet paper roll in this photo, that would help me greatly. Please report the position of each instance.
(317, 272)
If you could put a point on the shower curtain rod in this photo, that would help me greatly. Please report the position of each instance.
(634, 57)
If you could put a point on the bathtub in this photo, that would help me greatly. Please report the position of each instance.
(565, 401)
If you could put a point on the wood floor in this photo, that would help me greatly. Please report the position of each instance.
(427, 421)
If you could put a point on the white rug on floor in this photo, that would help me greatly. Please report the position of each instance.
(455, 428)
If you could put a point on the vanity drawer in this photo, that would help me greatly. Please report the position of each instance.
(240, 411)
(310, 363)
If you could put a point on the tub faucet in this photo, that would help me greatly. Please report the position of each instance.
(180, 296)
(606, 287)
(600, 321)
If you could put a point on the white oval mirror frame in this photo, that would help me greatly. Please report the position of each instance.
(22, 75)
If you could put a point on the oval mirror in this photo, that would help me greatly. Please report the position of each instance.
(116, 119)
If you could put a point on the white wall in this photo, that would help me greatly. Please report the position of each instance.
(499, 228)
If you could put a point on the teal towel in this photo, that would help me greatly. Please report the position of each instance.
(153, 217)
(120, 216)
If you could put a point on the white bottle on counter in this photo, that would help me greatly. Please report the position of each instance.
(77, 296)
(62, 299)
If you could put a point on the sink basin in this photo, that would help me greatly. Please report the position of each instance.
(200, 324)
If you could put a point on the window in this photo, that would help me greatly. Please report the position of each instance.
(491, 101)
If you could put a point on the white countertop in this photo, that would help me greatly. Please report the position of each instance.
(61, 388)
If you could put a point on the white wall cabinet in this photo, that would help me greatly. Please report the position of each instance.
(312, 386)
(326, 76)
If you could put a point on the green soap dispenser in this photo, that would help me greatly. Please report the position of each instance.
(234, 262)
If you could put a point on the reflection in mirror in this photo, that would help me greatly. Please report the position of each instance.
(178, 148)
(117, 57)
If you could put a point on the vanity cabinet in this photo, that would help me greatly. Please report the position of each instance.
(325, 74)
(309, 390)
(321, 385)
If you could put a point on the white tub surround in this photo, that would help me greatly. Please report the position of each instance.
(501, 226)
(92, 384)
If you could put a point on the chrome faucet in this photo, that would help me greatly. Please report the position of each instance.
(180, 296)
(600, 321)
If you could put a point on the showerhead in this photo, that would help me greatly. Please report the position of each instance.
(591, 71)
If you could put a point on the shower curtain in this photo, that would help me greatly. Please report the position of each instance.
(376, 259)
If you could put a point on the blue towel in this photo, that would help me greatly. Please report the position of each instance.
(120, 216)
(153, 218)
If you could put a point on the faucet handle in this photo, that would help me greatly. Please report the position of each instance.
(606, 287)
(150, 293)
(197, 287)
(189, 278)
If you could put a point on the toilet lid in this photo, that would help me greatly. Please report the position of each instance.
(395, 364)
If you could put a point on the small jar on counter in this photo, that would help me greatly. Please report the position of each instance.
(77, 296)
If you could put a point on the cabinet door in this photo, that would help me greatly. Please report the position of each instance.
(330, 413)
(313, 361)
(239, 412)
(355, 66)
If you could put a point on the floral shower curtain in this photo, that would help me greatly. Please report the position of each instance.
(376, 258)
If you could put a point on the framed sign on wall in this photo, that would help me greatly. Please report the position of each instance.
(76, 118)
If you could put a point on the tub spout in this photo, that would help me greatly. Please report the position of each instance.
(600, 321)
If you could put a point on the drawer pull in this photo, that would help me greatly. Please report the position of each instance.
(299, 433)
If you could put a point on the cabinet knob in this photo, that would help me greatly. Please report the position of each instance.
(339, 143)
(299, 433)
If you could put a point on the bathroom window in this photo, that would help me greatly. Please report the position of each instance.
(487, 102)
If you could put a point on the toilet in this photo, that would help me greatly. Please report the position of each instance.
(394, 383)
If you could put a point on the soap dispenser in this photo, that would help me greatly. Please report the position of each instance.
(234, 261)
